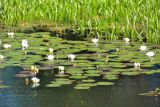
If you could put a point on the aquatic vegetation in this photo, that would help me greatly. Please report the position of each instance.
(34, 70)
(10, 34)
(50, 50)
(88, 80)
(150, 54)
(34, 85)
(127, 40)
(93, 71)
(93, 75)
(95, 65)
(78, 77)
(84, 85)
(116, 64)
(104, 83)
(110, 77)
(61, 69)
(148, 64)
(89, 68)
(95, 41)
(24, 44)
(81, 87)
(143, 48)
(137, 65)
(35, 80)
(84, 65)
(114, 72)
(62, 82)
(151, 72)
(71, 57)
(1, 57)
(6, 46)
(50, 57)
(53, 85)
(152, 93)
(59, 82)
(131, 73)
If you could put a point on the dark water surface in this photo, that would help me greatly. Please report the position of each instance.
(123, 94)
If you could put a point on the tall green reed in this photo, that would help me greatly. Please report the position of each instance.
(112, 19)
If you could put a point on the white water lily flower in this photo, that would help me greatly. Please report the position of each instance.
(6, 46)
(32, 68)
(51, 50)
(35, 80)
(95, 41)
(150, 54)
(143, 48)
(34, 85)
(50, 57)
(61, 69)
(127, 40)
(11, 34)
(71, 56)
(117, 49)
(137, 65)
(24, 44)
(1, 57)
(36, 70)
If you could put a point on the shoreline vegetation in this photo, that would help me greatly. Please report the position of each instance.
(109, 19)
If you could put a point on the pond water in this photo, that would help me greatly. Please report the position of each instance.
(102, 74)
(123, 94)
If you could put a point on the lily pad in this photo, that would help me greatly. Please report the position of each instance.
(53, 85)
(104, 83)
(93, 75)
(88, 80)
(110, 77)
(131, 73)
(81, 88)
(78, 77)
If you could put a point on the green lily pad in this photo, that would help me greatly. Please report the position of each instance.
(110, 77)
(92, 75)
(88, 80)
(131, 73)
(78, 77)
(104, 83)
(93, 71)
(81, 88)
(151, 72)
(86, 84)
(53, 85)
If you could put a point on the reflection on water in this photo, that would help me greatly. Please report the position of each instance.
(123, 94)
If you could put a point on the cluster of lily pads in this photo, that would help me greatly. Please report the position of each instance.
(96, 62)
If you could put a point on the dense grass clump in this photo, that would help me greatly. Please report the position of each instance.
(113, 19)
